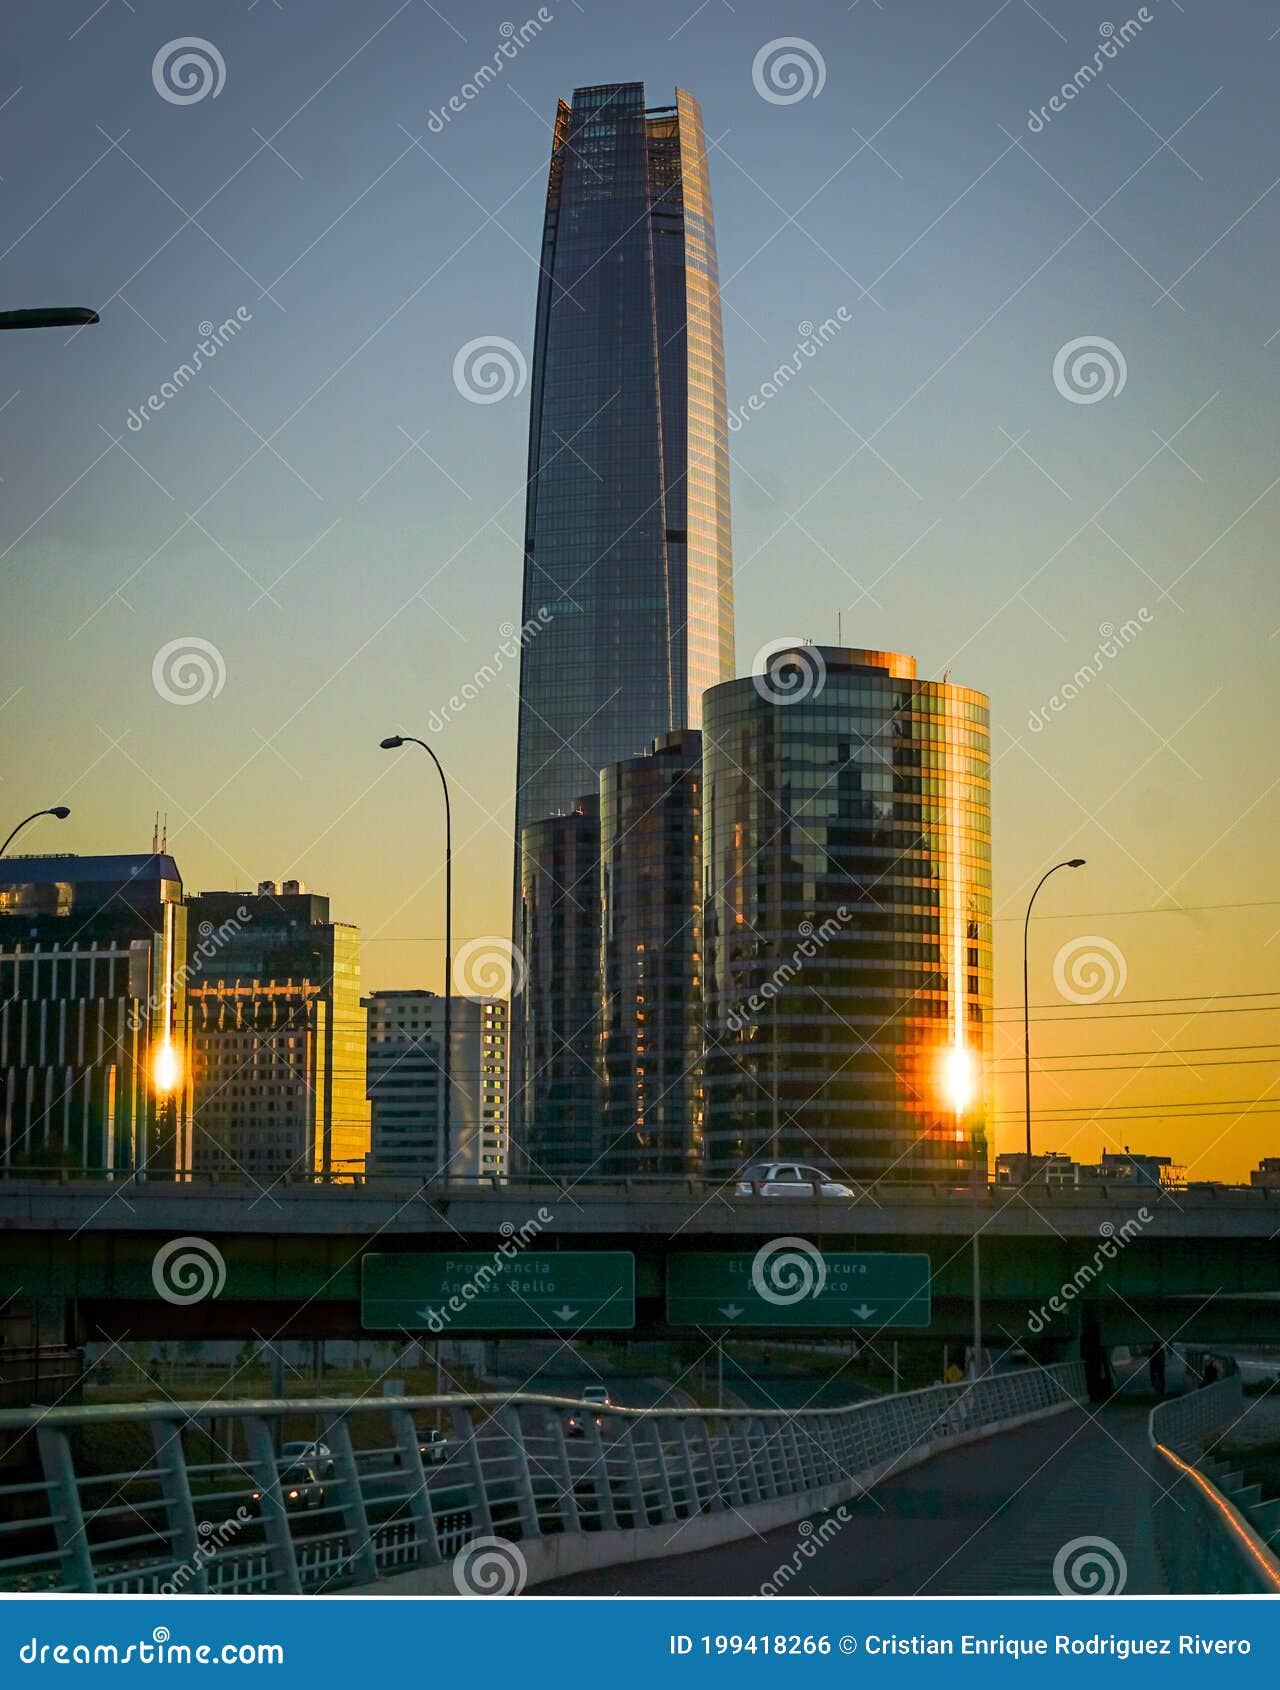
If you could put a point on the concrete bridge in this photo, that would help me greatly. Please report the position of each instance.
(1133, 1261)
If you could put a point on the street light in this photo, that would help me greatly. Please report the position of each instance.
(49, 317)
(1072, 862)
(61, 811)
(393, 743)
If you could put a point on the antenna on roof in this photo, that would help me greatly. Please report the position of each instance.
(155, 835)
(164, 837)
(839, 627)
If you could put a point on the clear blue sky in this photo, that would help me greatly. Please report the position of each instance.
(351, 580)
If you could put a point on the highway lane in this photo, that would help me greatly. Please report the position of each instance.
(986, 1519)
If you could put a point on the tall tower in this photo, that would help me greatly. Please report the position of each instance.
(627, 546)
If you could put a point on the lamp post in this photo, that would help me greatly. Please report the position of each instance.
(61, 812)
(49, 317)
(393, 743)
(1072, 862)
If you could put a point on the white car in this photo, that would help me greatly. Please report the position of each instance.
(789, 1179)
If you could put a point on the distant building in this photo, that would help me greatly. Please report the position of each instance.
(1054, 1168)
(1117, 1165)
(556, 1128)
(1267, 1173)
(406, 1095)
(277, 1035)
(847, 918)
(92, 1014)
(651, 961)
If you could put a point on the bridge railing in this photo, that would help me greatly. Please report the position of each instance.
(260, 1496)
(1214, 1533)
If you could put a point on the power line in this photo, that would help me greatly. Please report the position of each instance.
(1172, 909)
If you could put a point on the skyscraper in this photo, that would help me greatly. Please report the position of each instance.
(277, 1035)
(628, 561)
(627, 545)
(406, 1091)
(847, 922)
(92, 1013)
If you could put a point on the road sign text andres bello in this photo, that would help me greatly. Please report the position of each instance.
(487, 1291)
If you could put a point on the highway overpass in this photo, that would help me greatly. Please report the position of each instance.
(1202, 1265)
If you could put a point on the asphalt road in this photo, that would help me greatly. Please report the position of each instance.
(987, 1519)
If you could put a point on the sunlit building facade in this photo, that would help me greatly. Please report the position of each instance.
(92, 1015)
(651, 961)
(847, 942)
(277, 1035)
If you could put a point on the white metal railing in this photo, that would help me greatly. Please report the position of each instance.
(209, 1497)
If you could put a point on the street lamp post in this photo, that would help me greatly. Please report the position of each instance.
(1072, 862)
(59, 810)
(49, 317)
(393, 743)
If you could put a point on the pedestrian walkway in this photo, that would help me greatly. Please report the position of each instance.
(990, 1518)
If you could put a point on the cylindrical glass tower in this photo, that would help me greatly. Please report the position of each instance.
(847, 918)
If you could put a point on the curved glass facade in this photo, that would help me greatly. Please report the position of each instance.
(847, 938)
(651, 961)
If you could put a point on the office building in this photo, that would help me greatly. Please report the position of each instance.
(651, 961)
(555, 1130)
(627, 543)
(406, 1092)
(847, 918)
(277, 1035)
(92, 1014)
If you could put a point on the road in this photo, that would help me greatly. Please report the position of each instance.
(986, 1519)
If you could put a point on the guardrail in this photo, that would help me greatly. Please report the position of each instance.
(309, 1496)
(1214, 1533)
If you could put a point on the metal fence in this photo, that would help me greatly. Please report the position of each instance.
(236, 1497)
(1214, 1533)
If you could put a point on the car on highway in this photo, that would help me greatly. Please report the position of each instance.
(304, 1468)
(789, 1179)
(433, 1446)
(597, 1397)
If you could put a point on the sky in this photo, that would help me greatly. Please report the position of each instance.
(217, 605)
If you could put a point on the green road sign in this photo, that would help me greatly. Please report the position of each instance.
(490, 1291)
(790, 1283)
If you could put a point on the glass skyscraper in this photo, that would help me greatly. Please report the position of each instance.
(847, 922)
(627, 546)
